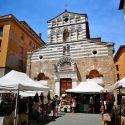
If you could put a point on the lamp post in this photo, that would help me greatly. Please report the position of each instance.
(119, 88)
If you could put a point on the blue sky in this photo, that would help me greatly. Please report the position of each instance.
(105, 20)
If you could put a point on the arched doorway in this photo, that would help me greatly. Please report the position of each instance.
(65, 75)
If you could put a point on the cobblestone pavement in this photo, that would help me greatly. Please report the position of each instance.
(70, 119)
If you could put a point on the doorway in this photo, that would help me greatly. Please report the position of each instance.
(65, 83)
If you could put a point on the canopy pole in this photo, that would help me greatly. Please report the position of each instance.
(120, 104)
(16, 109)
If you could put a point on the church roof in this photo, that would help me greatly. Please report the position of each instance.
(67, 12)
(95, 40)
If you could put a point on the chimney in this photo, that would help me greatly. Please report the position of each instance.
(40, 35)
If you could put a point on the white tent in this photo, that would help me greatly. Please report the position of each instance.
(120, 83)
(43, 82)
(20, 81)
(30, 93)
(86, 87)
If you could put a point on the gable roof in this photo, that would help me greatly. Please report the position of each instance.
(66, 12)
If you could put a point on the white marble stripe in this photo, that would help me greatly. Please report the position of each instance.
(85, 56)
(55, 56)
(74, 50)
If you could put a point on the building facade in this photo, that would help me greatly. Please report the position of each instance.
(16, 39)
(71, 56)
(119, 60)
(122, 6)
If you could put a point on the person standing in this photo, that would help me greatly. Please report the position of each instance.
(54, 106)
(73, 105)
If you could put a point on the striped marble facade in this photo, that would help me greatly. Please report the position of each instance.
(71, 53)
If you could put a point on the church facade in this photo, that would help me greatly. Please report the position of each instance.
(71, 56)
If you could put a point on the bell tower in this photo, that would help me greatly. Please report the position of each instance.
(67, 27)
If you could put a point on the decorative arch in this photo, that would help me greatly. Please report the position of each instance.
(65, 63)
(93, 74)
(41, 76)
(65, 35)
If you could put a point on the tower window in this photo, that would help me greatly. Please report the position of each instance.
(65, 35)
(66, 19)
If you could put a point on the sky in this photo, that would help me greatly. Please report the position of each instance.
(104, 17)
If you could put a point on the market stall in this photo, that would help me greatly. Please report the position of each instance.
(87, 96)
(16, 82)
(20, 81)
(86, 87)
(118, 89)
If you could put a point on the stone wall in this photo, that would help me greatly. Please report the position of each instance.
(104, 65)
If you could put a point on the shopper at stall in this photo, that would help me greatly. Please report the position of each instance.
(73, 104)
(35, 107)
(54, 106)
(45, 102)
(109, 102)
(123, 111)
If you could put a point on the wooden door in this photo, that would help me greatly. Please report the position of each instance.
(65, 84)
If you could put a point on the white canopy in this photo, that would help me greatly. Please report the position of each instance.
(20, 81)
(86, 87)
(120, 83)
(43, 82)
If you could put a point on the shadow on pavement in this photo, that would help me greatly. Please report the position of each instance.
(45, 120)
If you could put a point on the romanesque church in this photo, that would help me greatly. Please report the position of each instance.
(71, 56)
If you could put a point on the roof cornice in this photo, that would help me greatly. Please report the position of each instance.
(11, 17)
(65, 12)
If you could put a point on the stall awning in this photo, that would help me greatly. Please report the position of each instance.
(20, 81)
(86, 87)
